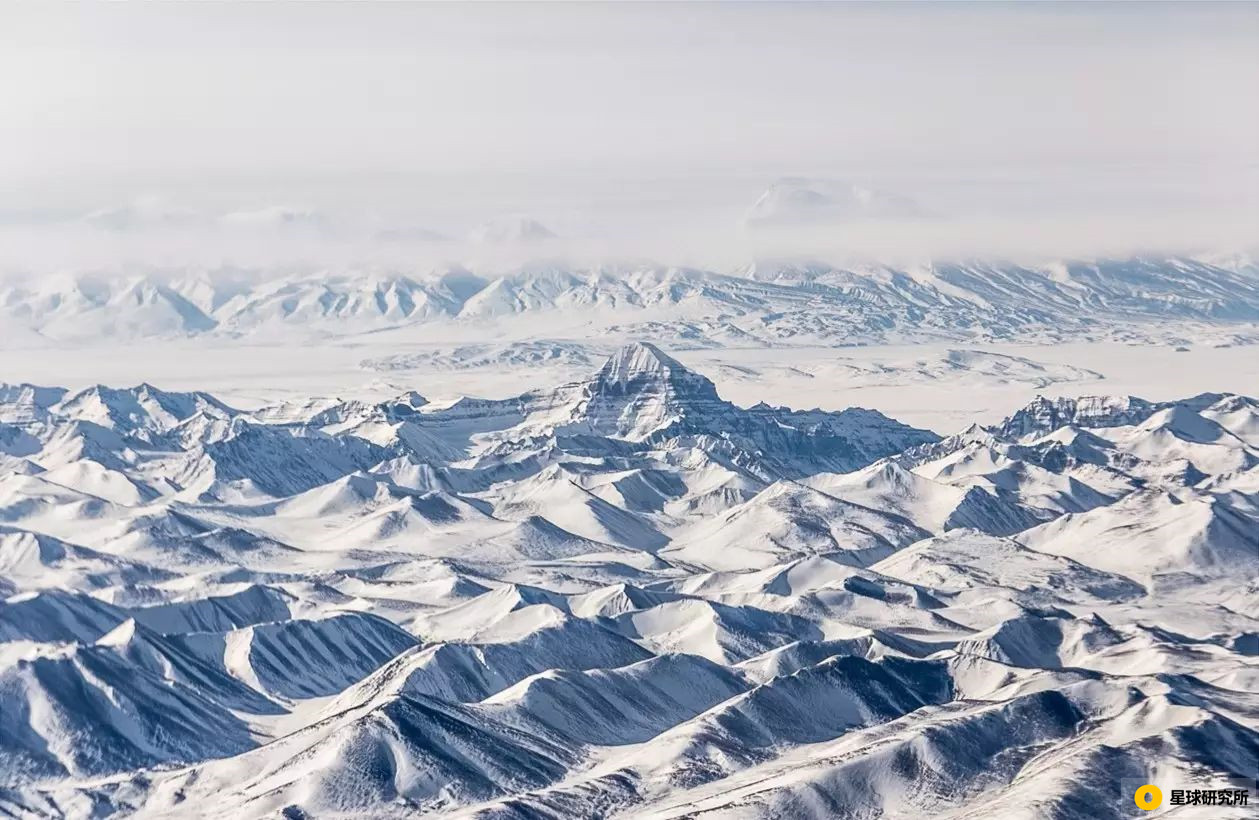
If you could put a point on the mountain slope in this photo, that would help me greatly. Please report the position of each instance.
(622, 595)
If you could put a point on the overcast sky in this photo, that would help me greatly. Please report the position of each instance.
(621, 120)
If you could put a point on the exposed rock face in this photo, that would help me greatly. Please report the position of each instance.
(640, 391)
(641, 394)
(1043, 415)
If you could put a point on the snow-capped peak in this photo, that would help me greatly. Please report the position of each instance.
(639, 360)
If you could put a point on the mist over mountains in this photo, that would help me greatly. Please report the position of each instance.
(539, 411)
(711, 222)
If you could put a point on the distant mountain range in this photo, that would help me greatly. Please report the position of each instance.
(764, 304)
(623, 595)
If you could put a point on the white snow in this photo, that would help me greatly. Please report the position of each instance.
(620, 588)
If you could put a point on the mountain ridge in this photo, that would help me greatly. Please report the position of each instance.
(621, 590)
(774, 303)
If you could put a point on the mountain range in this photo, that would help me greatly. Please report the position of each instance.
(626, 595)
(764, 304)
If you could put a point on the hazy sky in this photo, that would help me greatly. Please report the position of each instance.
(625, 120)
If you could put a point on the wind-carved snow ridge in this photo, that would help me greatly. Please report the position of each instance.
(620, 596)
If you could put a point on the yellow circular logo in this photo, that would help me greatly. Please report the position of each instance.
(1149, 798)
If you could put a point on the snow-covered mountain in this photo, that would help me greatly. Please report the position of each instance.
(805, 202)
(620, 596)
(510, 228)
(766, 304)
(276, 218)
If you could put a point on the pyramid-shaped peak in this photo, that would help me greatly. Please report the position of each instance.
(638, 360)
(641, 390)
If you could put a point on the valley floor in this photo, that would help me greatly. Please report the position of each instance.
(916, 383)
